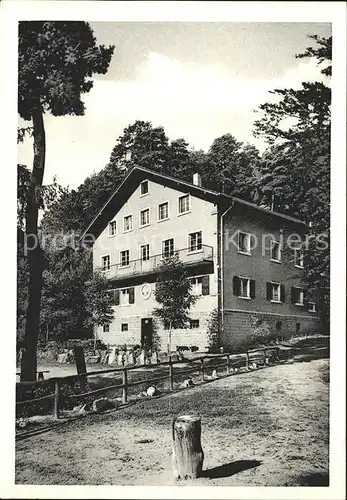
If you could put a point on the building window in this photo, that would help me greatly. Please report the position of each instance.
(106, 328)
(298, 296)
(194, 323)
(163, 211)
(200, 285)
(195, 241)
(124, 297)
(124, 327)
(244, 242)
(311, 307)
(243, 288)
(124, 258)
(196, 286)
(168, 248)
(105, 262)
(145, 252)
(276, 251)
(144, 217)
(112, 228)
(275, 292)
(183, 204)
(144, 188)
(128, 223)
(298, 258)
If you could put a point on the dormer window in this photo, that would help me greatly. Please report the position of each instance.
(144, 188)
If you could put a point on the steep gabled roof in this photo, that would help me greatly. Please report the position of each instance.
(138, 174)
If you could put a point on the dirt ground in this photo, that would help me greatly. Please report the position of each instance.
(263, 428)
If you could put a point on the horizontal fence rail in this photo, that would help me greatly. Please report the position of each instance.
(199, 365)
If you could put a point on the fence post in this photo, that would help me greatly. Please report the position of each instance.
(171, 374)
(264, 357)
(80, 365)
(202, 369)
(56, 399)
(228, 365)
(247, 360)
(125, 388)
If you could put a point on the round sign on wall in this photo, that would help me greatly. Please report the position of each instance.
(146, 290)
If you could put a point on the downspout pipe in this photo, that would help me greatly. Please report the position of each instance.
(221, 264)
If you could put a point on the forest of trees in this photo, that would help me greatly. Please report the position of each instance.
(292, 176)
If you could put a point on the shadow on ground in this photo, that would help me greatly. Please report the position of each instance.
(230, 469)
(316, 479)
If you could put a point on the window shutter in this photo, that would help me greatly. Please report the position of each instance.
(252, 289)
(293, 294)
(236, 286)
(252, 242)
(116, 297)
(283, 293)
(131, 295)
(268, 291)
(205, 285)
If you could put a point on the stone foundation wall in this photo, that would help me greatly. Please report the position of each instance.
(238, 326)
(180, 337)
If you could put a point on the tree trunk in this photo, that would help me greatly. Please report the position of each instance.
(34, 254)
(187, 455)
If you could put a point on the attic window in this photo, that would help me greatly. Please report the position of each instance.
(144, 188)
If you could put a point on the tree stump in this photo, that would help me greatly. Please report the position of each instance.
(187, 454)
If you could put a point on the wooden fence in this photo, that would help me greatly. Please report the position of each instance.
(200, 366)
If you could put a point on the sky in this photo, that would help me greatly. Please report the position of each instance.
(198, 80)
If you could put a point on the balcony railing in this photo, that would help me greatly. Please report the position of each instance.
(140, 266)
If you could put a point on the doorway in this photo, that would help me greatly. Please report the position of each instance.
(146, 333)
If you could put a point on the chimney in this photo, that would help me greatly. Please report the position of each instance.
(197, 179)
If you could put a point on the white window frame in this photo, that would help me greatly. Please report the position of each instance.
(131, 218)
(141, 254)
(249, 243)
(144, 194)
(188, 244)
(162, 247)
(279, 251)
(178, 204)
(196, 278)
(123, 292)
(314, 307)
(120, 258)
(149, 217)
(301, 292)
(168, 211)
(109, 228)
(101, 262)
(273, 283)
(248, 287)
(300, 259)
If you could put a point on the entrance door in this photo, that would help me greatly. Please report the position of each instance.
(146, 332)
